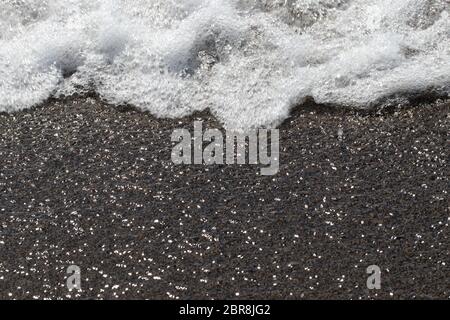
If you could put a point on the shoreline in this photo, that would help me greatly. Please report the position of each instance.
(90, 184)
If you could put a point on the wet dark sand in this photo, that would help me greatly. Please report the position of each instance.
(88, 184)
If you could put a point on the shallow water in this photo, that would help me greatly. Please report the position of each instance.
(248, 61)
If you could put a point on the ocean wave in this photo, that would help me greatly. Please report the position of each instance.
(248, 61)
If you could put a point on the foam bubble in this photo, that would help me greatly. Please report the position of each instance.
(248, 61)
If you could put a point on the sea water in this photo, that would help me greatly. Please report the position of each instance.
(248, 61)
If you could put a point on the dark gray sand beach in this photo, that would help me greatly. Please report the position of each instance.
(87, 184)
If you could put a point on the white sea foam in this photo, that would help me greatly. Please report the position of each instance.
(249, 61)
